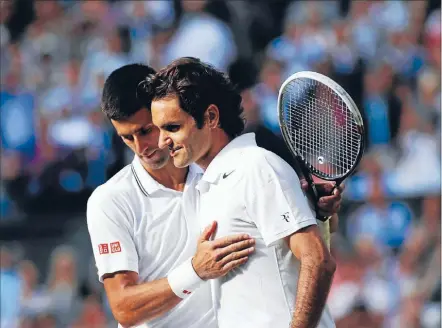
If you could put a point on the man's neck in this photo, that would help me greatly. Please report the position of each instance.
(220, 140)
(169, 176)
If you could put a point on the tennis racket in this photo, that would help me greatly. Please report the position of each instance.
(323, 130)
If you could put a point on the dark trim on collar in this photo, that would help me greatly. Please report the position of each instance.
(138, 180)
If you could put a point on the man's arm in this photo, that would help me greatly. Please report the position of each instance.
(315, 276)
(133, 303)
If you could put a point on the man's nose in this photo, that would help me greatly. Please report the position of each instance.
(140, 146)
(164, 141)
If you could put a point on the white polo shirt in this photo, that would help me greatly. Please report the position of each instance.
(248, 189)
(137, 224)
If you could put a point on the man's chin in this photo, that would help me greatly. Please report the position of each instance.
(180, 163)
(155, 164)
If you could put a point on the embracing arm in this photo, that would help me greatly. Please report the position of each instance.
(315, 277)
(134, 303)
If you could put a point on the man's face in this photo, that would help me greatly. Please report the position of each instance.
(140, 135)
(178, 132)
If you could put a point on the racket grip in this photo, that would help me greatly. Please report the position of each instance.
(323, 218)
(320, 217)
(316, 198)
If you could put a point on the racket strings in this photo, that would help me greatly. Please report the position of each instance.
(321, 127)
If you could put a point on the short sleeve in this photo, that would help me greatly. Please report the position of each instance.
(111, 237)
(274, 199)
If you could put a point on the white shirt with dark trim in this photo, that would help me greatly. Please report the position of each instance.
(137, 224)
(248, 189)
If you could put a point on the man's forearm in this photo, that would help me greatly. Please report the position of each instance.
(314, 283)
(144, 302)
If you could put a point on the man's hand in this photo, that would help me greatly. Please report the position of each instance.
(329, 204)
(216, 258)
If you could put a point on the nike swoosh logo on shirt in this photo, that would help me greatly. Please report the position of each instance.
(225, 175)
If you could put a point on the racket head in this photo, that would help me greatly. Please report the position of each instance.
(341, 118)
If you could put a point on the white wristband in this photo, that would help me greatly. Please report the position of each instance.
(183, 280)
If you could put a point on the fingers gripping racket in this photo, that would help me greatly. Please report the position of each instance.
(322, 128)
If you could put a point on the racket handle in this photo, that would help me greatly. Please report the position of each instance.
(320, 217)
(316, 198)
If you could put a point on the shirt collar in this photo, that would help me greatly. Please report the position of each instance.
(149, 185)
(225, 159)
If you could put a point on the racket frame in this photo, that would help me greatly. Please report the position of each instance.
(350, 105)
(302, 168)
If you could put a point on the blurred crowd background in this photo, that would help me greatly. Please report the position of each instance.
(56, 146)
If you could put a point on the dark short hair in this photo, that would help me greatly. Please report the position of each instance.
(121, 97)
(197, 86)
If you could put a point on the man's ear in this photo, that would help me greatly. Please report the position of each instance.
(211, 116)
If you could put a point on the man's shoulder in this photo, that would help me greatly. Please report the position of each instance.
(263, 159)
(116, 189)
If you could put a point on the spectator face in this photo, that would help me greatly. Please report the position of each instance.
(46, 321)
(193, 6)
(114, 43)
(29, 274)
(5, 10)
(271, 75)
(5, 258)
(251, 108)
(94, 10)
(63, 268)
(359, 8)
(72, 73)
(431, 213)
(46, 10)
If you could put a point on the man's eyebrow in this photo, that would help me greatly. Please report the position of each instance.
(169, 124)
(135, 131)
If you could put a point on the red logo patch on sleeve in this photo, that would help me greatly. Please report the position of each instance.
(103, 248)
(186, 292)
(115, 247)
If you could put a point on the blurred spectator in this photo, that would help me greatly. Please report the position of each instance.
(144, 18)
(62, 284)
(267, 93)
(5, 12)
(17, 107)
(100, 63)
(427, 100)
(376, 110)
(46, 320)
(426, 239)
(433, 38)
(10, 290)
(201, 35)
(386, 222)
(364, 32)
(34, 298)
(418, 168)
(91, 315)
